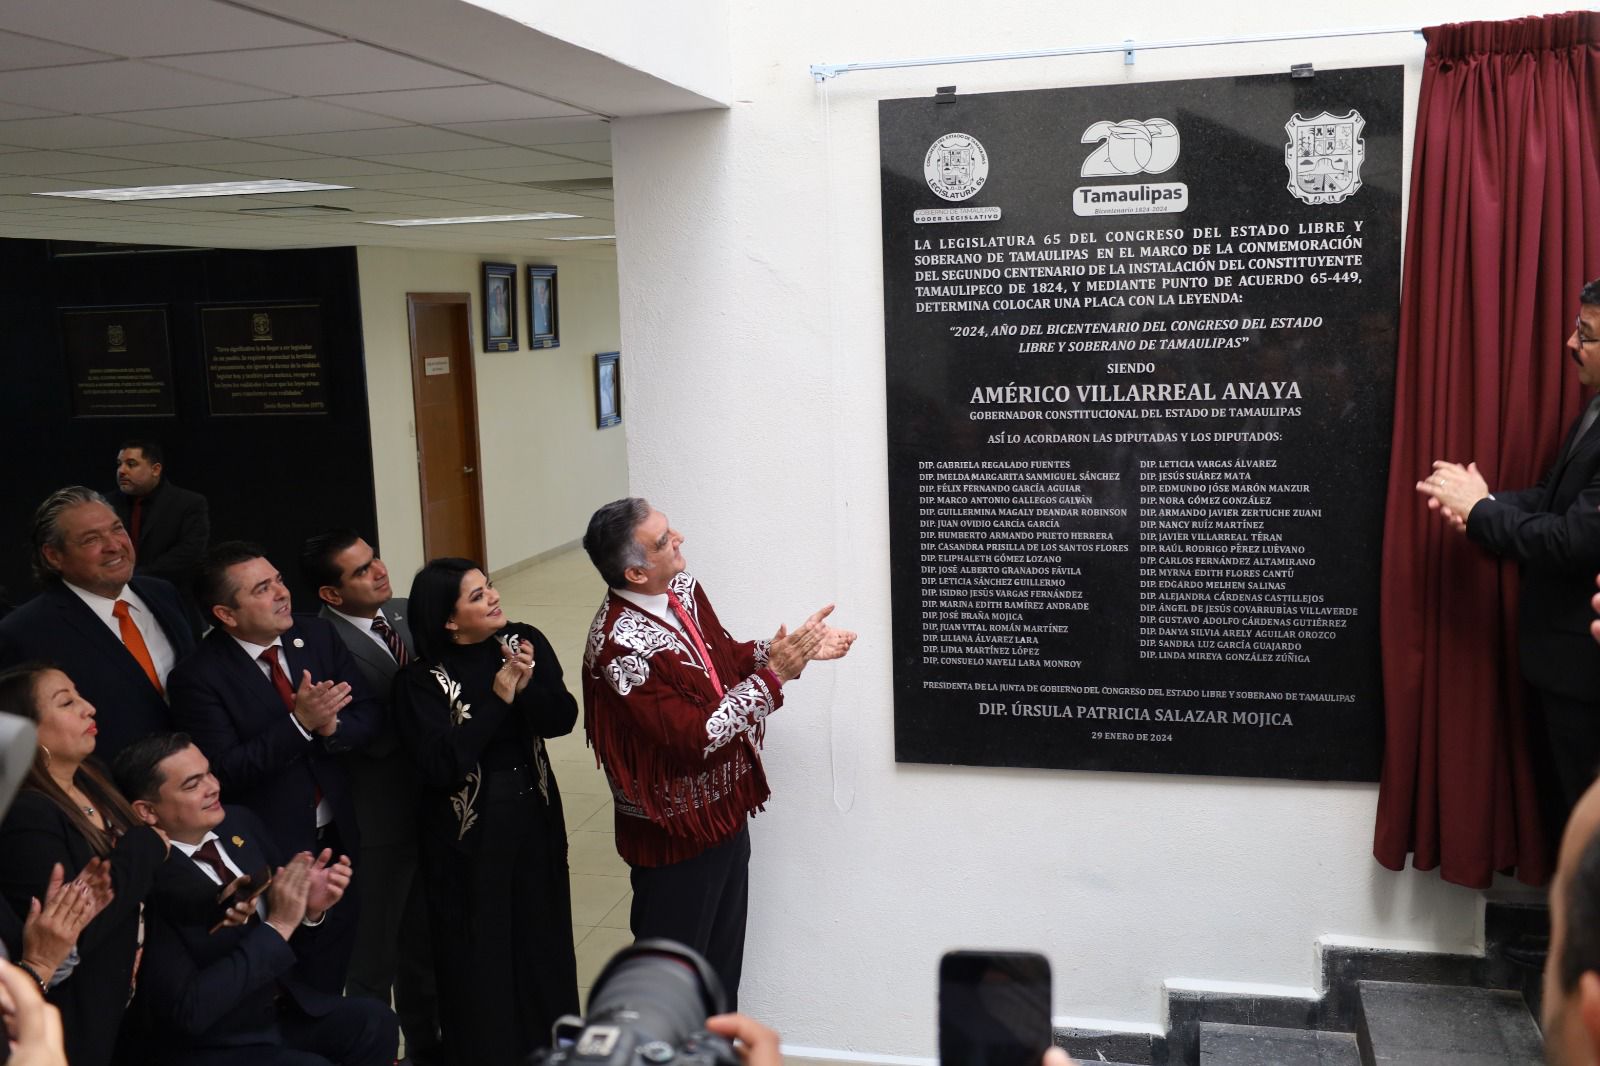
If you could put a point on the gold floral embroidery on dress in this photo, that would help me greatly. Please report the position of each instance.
(464, 801)
(459, 708)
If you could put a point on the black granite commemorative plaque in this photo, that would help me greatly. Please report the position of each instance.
(1140, 353)
(119, 362)
(264, 360)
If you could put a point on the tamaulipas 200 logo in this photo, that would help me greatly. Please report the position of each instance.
(956, 166)
(1129, 147)
(1324, 156)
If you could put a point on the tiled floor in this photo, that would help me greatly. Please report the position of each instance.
(560, 595)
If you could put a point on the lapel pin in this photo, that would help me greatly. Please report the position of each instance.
(238, 842)
(299, 643)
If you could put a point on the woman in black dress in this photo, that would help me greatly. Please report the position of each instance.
(473, 709)
(67, 812)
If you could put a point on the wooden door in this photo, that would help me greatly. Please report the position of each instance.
(446, 401)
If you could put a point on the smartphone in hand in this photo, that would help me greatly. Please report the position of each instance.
(994, 1008)
(248, 888)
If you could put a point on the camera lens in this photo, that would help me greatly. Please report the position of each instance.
(658, 990)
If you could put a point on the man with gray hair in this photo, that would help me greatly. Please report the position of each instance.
(117, 636)
(676, 710)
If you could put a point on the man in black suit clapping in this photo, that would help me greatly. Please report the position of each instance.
(273, 700)
(211, 993)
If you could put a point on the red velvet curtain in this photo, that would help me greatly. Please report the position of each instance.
(1504, 229)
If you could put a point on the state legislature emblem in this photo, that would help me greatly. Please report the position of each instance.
(1324, 156)
(956, 166)
(260, 326)
(116, 339)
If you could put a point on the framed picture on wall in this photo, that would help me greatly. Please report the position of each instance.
(499, 307)
(607, 389)
(544, 321)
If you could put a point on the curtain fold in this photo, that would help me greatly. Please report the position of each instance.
(1503, 230)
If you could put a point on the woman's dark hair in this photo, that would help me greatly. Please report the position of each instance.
(19, 695)
(434, 592)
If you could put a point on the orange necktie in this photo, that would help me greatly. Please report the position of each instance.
(135, 643)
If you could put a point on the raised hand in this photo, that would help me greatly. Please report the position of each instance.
(317, 704)
(286, 899)
(328, 881)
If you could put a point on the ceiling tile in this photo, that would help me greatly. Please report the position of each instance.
(322, 69)
(464, 104)
(325, 168)
(262, 118)
(123, 179)
(60, 163)
(401, 179)
(11, 111)
(389, 141)
(456, 162)
(17, 53)
(589, 151)
(153, 27)
(538, 131)
(83, 131)
(520, 175)
(124, 85)
(204, 153)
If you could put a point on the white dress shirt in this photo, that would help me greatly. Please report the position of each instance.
(365, 625)
(155, 638)
(656, 605)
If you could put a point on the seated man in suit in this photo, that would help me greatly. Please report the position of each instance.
(117, 636)
(392, 955)
(211, 993)
(272, 699)
(170, 526)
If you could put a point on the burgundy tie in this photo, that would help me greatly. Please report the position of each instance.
(391, 640)
(211, 855)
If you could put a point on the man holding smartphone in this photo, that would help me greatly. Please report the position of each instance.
(211, 989)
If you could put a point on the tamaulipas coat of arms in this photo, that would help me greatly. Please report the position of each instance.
(1324, 156)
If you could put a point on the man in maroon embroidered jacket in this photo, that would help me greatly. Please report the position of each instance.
(675, 710)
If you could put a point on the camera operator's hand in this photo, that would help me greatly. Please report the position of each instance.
(1055, 1057)
(32, 1025)
(758, 1044)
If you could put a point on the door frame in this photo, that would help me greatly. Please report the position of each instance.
(470, 383)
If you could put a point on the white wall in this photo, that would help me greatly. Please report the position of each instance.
(545, 466)
(749, 254)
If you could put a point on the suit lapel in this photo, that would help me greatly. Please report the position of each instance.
(99, 635)
(363, 646)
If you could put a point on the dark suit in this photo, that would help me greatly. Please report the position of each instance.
(1553, 531)
(239, 995)
(35, 836)
(57, 627)
(174, 529)
(223, 699)
(392, 947)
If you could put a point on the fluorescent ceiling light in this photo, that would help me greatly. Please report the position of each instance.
(533, 216)
(210, 188)
(601, 237)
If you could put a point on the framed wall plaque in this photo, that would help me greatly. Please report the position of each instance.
(544, 320)
(607, 389)
(499, 307)
(1140, 345)
(119, 361)
(264, 359)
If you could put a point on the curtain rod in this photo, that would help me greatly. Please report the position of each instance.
(824, 71)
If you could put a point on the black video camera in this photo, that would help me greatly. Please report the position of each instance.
(650, 1004)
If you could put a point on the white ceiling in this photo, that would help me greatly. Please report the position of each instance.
(116, 93)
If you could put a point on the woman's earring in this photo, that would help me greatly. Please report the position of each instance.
(46, 752)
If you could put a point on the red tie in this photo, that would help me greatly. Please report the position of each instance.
(280, 680)
(694, 635)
